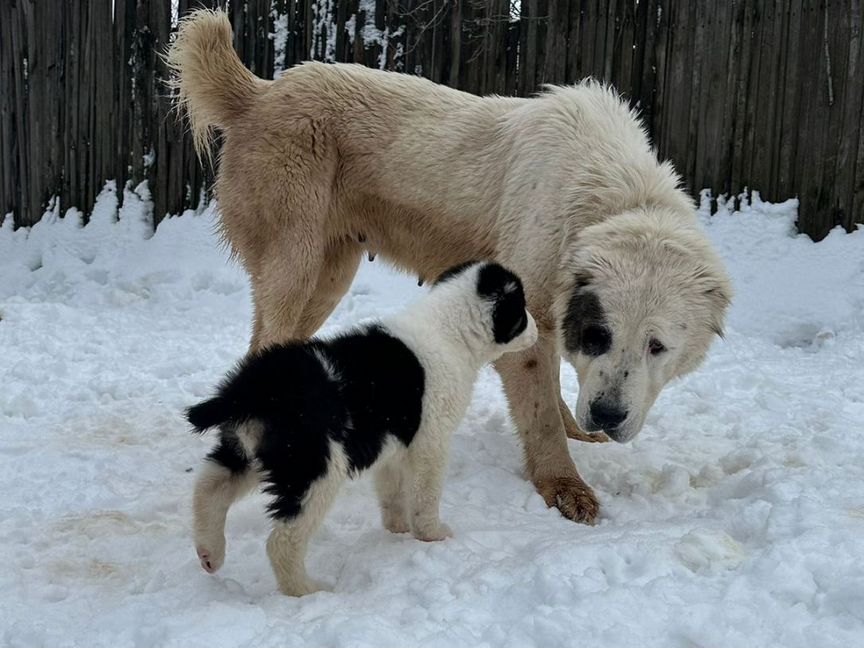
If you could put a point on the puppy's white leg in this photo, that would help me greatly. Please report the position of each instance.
(428, 460)
(287, 544)
(216, 489)
(390, 485)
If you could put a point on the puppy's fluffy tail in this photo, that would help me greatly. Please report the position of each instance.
(209, 414)
(213, 87)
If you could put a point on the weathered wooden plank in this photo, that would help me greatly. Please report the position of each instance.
(813, 93)
(767, 93)
(624, 49)
(514, 30)
(553, 45)
(733, 20)
(643, 92)
(835, 58)
(606, 39)
(8, 101)
(574, 40)
(528, 48)
(753, 86)
(676, 125)
(743, 91)
(661, 72)
(700, 140)
(854, 126)
(849, 105)
(716, 102)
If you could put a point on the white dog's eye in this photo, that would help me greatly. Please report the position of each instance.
(655, 347)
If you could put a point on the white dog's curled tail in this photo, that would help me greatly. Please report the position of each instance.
(213, 86)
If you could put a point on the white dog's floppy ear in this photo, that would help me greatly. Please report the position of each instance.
(717, 291)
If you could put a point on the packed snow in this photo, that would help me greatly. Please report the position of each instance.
(735, 518)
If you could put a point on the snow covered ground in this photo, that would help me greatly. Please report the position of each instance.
(735, 518)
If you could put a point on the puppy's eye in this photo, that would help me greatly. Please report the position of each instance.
(656, 347)
(596, 340)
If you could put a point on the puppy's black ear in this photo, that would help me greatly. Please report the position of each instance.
(504, 289)
(449, 273)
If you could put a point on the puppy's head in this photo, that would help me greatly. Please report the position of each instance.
(642, 300)
(493, 316)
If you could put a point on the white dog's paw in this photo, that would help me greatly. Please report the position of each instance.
(434, 535)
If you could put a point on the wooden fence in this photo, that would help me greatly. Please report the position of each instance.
(766, 94)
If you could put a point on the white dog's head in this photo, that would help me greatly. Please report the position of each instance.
(486, 304)
(640, 303)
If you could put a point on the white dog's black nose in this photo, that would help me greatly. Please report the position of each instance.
(605, 416)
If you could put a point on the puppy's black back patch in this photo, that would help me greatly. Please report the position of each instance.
(286, 391)
(355, 390)
(382, 383)
(504, 288)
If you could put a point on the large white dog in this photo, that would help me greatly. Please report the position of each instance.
(330, 161)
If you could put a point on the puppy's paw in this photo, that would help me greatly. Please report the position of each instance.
(570, 495)
(435, 534)
(395, 524)
(211, 560)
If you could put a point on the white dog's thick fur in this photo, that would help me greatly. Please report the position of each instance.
(330, 161)
(305, 416)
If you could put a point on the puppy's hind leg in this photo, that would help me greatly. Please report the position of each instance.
(390, 484)
(287, 544)
(225, 477)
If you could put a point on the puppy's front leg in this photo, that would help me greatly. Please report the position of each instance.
(428, 462)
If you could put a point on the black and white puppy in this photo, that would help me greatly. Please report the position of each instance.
(304, 416)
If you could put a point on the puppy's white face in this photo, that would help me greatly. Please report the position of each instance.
(638, 312)
(496, 320)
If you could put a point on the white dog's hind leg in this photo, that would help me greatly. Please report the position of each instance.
(337, 272)
(390, 485)
(216, 489)
(428, 462)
